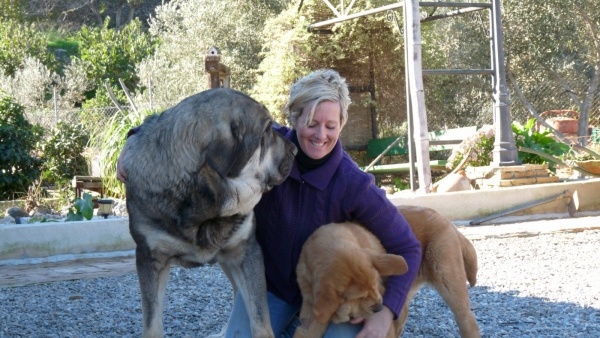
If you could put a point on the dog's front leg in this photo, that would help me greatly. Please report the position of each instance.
(309, 328)
(234, 287)
(153, 273)
(247, 273)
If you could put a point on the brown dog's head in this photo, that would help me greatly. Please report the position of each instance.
(355, 288)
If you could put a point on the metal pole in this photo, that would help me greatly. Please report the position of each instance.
(505, 152)
(409, 117)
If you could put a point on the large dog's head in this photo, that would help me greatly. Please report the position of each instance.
(215, 151)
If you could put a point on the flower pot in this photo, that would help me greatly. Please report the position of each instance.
(565, 121)
(592, 166)
(566, 126)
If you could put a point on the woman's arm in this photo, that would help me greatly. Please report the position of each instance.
(374, 210)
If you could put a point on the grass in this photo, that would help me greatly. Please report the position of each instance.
(60, 37)
(71, 46)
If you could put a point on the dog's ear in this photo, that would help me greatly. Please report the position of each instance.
(388, 264)
(326, 303)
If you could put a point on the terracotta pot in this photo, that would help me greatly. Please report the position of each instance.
(565, 121)
(568, 126)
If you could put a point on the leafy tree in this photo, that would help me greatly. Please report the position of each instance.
(11, 9)
(560, 42)
(364, 50)
(32, 85)
(188, 29)
(111, 54)
(63, 151)
(18, 139)
(19, 41)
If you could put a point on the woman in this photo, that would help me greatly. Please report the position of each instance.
(324, 186)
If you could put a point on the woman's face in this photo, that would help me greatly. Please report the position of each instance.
(318, 138)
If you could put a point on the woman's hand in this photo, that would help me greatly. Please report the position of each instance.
(378, 325)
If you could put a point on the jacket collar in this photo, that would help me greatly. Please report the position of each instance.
(320, 177)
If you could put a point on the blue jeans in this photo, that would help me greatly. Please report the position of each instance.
(283, 319)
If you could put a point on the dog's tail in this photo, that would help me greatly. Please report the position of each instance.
(469, 258)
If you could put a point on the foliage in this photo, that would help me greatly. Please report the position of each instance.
(109, 144)
(82, 208)
(400, 184)
(11, 9)
(528, 137)
(364, 50)
(33, 85)
(19, 41)
(63, 151)
(481, 146)
(18, 139)
(112, 54)
(187, 29)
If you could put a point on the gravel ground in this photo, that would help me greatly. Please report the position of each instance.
(539, 286)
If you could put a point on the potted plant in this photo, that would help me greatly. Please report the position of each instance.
(566, 121)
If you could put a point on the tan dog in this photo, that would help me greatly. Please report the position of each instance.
(338, 281)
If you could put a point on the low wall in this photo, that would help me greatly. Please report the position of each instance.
(21, 244)
(465, 205)
(27, 241)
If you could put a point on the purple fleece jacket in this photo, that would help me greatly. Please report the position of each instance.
(337, 191)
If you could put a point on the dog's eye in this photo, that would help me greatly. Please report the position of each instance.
(269, 127)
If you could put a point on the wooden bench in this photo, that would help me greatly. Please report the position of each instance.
(92, 183)
(440, 140)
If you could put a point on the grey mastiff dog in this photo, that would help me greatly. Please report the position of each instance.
(194, 174)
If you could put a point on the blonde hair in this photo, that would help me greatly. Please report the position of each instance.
(320, 85)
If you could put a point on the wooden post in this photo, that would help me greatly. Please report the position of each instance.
(417, 95)
(211, 64)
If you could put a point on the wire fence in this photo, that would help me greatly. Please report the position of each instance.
(49, 118)
(549, 95)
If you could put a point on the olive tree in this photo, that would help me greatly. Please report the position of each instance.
(188, 29)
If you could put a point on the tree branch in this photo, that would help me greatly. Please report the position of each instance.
(565, 85)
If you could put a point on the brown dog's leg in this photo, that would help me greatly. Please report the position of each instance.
(309, 328)
(398, 324)
(457, 299)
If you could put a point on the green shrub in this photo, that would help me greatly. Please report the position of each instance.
(19, 41)
(528, 137)
(110, 143)
(112, 54)
(18, 139)
(63, 153)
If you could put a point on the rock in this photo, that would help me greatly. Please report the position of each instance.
(453, 182)
(7, 220)
(389, 190)
(39, 210)
(15, 212)
(120, 209)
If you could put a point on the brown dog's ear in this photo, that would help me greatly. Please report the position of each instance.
(388, 264)
(326, 303)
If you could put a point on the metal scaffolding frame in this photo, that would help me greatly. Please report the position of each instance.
(505, 151)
